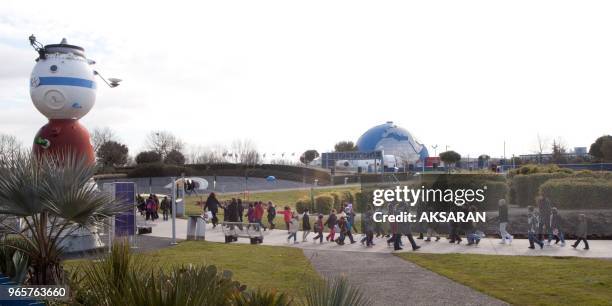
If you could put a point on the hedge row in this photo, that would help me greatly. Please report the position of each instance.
(284, 172)
(578, 192)
(159, 169)
(525, 188)
(324, 203)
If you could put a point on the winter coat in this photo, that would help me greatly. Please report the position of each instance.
(212, 204)
(503, 213)
(232, 212)
(582, 229)
(286, 215)
(331, 221)
(305, 222)
(342, 226)
(368, 221)
(259, 211)
(318, 227)
(251, 214)
(271, 213)
(533, 222)
(293, 225)
(555, 221)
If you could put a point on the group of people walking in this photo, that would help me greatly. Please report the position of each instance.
(150, 207)
(544, 224)
(234, 210)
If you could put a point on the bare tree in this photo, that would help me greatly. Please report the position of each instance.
(99, 136)
(204, 155)
(541, 145)
(244, 152)
(163, 142)
(9, 147)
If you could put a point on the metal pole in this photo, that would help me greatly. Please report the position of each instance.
(135, 211)
(173, 242)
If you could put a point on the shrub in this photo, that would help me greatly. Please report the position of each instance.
(525, 187)
(302, 204)
(348, 196)
(148, 157)
(337, 200)
(361, 201)
(533, 169)
(578, 192)
(262, 298)
(323, 204)
(175, 157)
(123, 279)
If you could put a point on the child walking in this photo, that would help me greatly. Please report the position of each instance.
(293, 228)
(286, 216)
(503, 223)
(305, 225)
(555, 226)
(331, 224)
(318, 228)
(582, 232)
(533, 221)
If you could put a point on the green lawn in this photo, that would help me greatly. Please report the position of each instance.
(526, 280)
(279, 198)
(281, 268)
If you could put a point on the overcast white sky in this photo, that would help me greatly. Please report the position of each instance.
(298, 75)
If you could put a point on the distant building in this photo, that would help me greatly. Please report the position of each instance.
(575, 154)
(397, 147)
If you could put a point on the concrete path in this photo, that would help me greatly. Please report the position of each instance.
(599, 248)
(389, 280)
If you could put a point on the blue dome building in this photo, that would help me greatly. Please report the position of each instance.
(393, 140)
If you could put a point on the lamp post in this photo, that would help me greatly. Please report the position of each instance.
(173, 242)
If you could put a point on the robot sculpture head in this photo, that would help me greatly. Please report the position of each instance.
(63, 88)
(62, 84)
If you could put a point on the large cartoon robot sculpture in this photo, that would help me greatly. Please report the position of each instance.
(63, 88)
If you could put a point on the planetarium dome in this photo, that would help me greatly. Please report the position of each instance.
(392, 140)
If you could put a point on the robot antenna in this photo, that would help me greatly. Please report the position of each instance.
(38, 47)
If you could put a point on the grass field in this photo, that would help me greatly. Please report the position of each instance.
(526, 280)
(279, 198)
(282, 268)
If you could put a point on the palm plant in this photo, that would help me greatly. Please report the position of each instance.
(122, 278)
(262, 298)
(335, 292)
(53, 196)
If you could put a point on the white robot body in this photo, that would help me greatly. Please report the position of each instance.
(62, 85)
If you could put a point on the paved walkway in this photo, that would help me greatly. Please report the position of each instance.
(599, 248)
(389, 280)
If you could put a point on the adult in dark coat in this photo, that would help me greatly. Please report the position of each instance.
(212, 204)
(233, 211)
(240, 209)
(405, 229)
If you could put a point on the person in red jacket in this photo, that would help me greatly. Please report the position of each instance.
(259, 211)
(286, 216)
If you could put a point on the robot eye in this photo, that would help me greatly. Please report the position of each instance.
(53, 68)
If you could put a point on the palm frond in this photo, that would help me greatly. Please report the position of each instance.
(335, 292)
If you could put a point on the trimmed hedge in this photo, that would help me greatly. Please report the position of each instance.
(302, 204)
(323, 204)
(361, 202)
(283, 172)
(578, 192)
(524, 189)
(337, 200)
